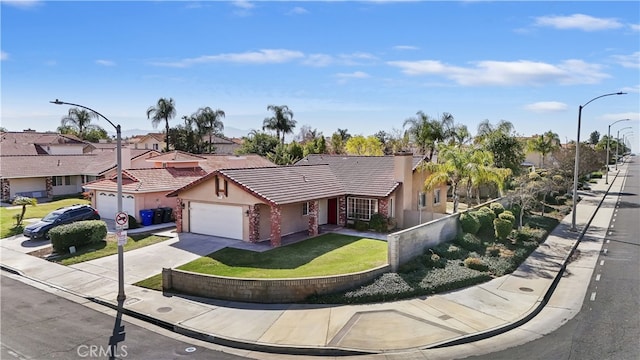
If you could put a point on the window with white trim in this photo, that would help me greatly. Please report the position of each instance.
(305, 208)
(392, 210)
(61, 180)
(436, 196)
(361, 208)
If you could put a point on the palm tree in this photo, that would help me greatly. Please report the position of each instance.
(544, 144)
(282, 122)
(420, 132)
(165, 109)
(23, 201)
(460, 135)
(487, 130)
(451, 168)
(79, 120)
(211, 119)
(481, 170)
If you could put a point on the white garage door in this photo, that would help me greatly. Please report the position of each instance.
(216, 220)
(107, 204)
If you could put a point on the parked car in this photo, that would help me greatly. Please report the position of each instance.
(65, 215)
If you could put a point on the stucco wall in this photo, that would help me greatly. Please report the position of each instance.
(262, 290)
(74, 188)
(28, 185)
(292, 219)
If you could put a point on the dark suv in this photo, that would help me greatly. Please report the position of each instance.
(65, 215)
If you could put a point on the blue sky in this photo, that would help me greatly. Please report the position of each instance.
(364, 66)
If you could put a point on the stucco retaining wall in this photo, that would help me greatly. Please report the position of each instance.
(262, 290)
(406, 244)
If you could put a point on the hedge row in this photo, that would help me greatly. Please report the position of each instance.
(77, 234)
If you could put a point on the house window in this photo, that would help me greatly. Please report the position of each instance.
(305, 208)
(61, 180)
(392, 211)
(155, 146)
(361, 208)
(436, 196)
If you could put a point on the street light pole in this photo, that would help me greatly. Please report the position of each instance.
(618, 144)
(121, 295)
(608, 138)
(577, 161)
(625, 137)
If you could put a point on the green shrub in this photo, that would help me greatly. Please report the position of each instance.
(452, 276)
(502, 228)
(499, 266)
(361, 225)
(449, 251)
(508, 215)
(485, 216)
(497, 208)
(469, 242)
(596, 175)
(77, 234)
(493, 251)
(469, 222)
(378, 223)
(527, 233)
(476, 264)
(534, 176)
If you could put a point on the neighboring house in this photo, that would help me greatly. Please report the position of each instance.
(44, 165)
(151, 141)
(257, 204)
(145, 187)
(222, 145)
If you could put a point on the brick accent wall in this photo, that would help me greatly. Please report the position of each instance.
(254, 223)
(313, 217)
(383, 207)
(342, 211)
(276, 231)
(6, 189)
(178, 215)
(50, 187)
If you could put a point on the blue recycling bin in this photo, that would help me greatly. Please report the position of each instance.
(147, 217)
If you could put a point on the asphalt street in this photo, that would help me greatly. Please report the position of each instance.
(608, 325)
(40, 325)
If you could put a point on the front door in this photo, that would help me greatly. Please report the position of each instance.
(332, 208)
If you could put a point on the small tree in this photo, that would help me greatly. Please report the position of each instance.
(23, 201)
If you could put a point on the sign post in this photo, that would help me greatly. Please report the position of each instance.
(122, 220)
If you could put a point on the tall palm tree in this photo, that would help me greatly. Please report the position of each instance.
(544, 144)
(420, 132)
(165, 109)
(481, 170)
(79, 120)
(451, 168)
(460, 135)
(211, 119)
(282, 122)
(487, 130)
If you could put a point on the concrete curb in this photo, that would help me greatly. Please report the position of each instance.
(545, 299)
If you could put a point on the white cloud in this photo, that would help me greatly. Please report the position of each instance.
(22, 3)
(243, 4)
(4, 56)
(628, 61)
(631, 89)
(319, 60)
(105, 62)
(353, 75)
(405, 47)
(635, 27)
(507, 73)
(546, 107)
(264, 56)
(633, 116)
(578, 21)
(298, 10)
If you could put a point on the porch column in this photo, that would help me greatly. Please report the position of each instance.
(342, 211)
(313, 217)
(383, 207)
(5, 187)
(254, 223)
(178, 214)
(276, 231)
(49, 185)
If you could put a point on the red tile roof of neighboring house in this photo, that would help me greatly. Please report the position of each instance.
(176, 156)
(149, 180)
(215, 161)
(32, 143)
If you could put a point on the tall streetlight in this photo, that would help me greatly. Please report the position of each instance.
(625, 137)
(121, 296)
(608, 138)
(577, 162)
(618, 144)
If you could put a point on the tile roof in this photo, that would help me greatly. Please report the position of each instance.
(361, 175)
(281, 184)
(216, 161)
(149, 180)
(176, 156)
(30, 143)
(27, 166)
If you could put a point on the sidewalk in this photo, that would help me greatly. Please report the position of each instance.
(429, 324)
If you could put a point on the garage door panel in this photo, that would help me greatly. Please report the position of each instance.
(216, 220)
(107, 204)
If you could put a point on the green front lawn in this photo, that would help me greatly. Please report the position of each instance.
(108, 247)
(328, 254)
(8, 224)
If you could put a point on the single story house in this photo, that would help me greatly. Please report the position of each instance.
(257, 204)
(145, 187)
(44, 165)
